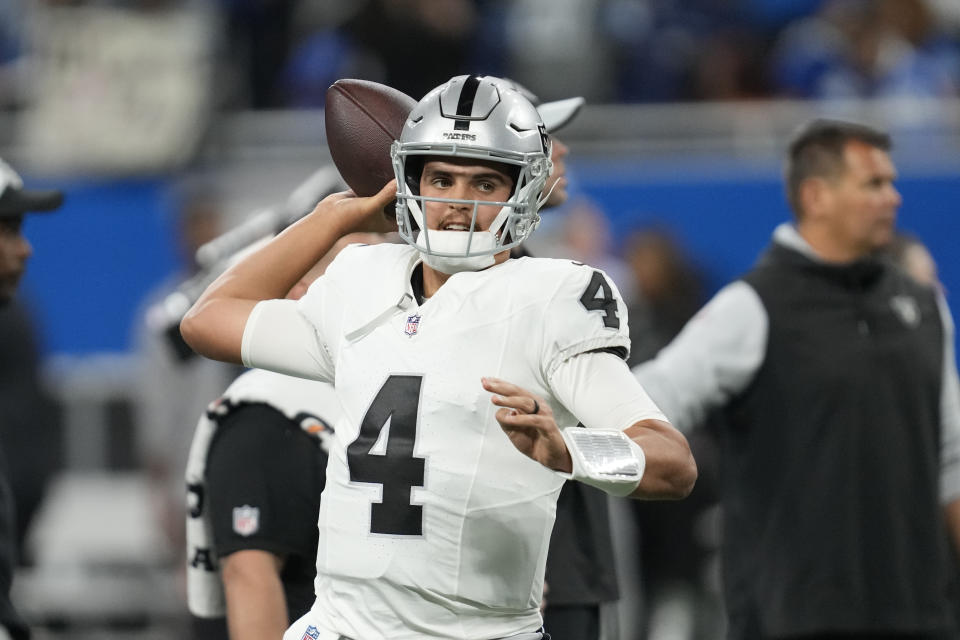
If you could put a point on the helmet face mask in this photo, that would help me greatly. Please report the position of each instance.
(472, 118)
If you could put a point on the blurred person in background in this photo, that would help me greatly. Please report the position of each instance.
(836, 378)
(669, 288)
(252, 536)
(678, 541)
(15, 250)
(174, 386)
(29, 428)
(258, 497)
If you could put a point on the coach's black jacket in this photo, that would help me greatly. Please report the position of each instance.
(832, 456)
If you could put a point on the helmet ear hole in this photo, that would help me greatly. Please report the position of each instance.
(413, 173)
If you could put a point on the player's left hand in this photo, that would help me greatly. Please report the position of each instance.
(528, 422)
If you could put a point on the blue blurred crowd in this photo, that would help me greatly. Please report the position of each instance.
(285, 53)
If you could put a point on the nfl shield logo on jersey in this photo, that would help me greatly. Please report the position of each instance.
(413, 324)
(312, 633)
(246, 520)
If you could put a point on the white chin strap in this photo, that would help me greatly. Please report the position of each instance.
(454, 244)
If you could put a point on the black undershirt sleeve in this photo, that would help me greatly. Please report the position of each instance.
(264, 478)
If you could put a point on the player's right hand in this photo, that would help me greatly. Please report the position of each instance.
(351, 213)
(528, 422)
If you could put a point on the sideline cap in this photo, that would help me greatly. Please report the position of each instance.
(15, 200)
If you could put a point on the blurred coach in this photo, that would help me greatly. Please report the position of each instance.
(15, 201)
(835, 374)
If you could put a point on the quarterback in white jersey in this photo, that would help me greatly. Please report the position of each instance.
(442, 482)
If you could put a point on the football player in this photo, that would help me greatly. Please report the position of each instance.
(254, 479)
(462, 374)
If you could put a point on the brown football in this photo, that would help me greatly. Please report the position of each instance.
(363, 118)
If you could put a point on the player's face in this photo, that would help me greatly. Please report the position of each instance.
(864, 202)
(463, 179)
(558, 176)
(14, 252)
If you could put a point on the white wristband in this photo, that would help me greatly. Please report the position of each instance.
(606, 459)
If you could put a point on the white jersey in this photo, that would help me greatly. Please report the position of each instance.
(432, 523)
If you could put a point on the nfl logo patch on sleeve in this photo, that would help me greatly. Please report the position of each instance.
(312, 633)
(246, 520)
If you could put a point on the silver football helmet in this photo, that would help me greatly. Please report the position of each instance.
(478, 117)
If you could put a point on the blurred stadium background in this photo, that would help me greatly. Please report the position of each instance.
(169, 121)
